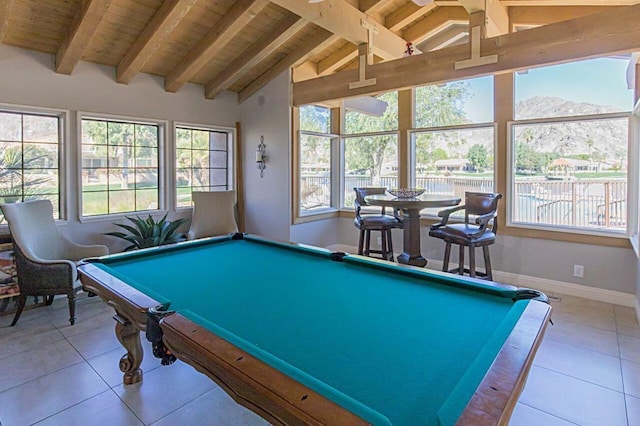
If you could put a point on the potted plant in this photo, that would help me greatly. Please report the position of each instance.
(148, 233)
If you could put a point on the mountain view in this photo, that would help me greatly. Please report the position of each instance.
(600, 140)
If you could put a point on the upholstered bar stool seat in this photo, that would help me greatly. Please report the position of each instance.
(382, 222)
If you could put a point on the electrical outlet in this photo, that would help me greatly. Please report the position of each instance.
(578, 271)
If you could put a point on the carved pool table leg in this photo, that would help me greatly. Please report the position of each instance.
(129, 337)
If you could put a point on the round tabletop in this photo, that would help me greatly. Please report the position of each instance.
(416, 203)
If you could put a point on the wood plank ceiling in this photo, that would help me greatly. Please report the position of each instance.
(241, 45)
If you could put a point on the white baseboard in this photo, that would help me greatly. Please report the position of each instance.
(553, 287)
(550, 287)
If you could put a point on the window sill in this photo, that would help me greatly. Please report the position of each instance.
(316, 216)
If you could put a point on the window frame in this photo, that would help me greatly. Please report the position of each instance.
(172, 161)
(162, 165)
(633, 183)
(63, 150)
(412, 170)
(510, 180)
(334, 149)
(343, 138)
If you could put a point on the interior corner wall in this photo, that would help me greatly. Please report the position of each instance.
(28, 79)
(267, 199)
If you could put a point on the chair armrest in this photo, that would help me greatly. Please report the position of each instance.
(444, 214)
(75, 252)
(397, 214)
(483, 221)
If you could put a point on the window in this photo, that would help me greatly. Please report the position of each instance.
(203, 161)
(569, 147)
(30, 157)
(315, 159)
(456, 103)
(453, 149)
(120, 171)
(370, 161)
(371, 148)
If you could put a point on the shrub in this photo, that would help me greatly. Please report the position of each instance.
(149, 233)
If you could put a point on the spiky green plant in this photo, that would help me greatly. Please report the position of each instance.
(149, 233)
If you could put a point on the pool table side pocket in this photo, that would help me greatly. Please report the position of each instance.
(249, 381)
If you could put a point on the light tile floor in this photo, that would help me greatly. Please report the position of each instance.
(587, 372)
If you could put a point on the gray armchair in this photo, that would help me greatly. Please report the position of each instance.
(45, 259)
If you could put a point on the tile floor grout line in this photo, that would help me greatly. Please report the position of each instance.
(26, 350)
(550, 414)
(68, 408)
(582, 380)
(39, 377)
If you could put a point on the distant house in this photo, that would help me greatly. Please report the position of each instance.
(567, 166)
(453, 165)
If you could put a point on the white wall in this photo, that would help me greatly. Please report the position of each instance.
(28, 78)
(267, 199)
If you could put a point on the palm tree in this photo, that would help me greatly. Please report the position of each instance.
(14, 185)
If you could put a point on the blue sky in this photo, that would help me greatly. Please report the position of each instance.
(598, 81)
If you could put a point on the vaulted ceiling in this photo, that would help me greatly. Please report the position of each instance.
(241, 45)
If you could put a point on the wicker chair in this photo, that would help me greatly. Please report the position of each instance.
(479, 229)
(374, 222)
(45, 259)
(214, 213)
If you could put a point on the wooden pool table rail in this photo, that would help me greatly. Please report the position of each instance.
(249, 381)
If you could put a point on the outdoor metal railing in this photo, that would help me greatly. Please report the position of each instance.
(586, 203)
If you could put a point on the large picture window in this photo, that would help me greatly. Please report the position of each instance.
(453, 147)
(315, 159)
(30, 157)
(569, 147)
(203, 161)
(119, 166)
(370, 144)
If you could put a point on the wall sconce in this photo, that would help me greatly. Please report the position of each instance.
(261, 157)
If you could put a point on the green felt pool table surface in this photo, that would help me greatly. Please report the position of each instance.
(391, 344)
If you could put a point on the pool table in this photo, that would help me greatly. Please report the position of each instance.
(301, 335)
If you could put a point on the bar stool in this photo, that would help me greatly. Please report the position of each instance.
(375, 222)
(479, 229)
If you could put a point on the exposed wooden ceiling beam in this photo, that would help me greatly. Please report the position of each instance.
(545, 15)
(213, 42)
(406, 15)
(496, 16)
(568, 2)
(5, 8)
(344, 20)
(84, 25)
(304, 69)
(447, 37)
(337, 59)
(286, 28)
(349, 52)
(162, 24)
(371, 6)
(299, 55)
(609, 32)
(434, 22)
